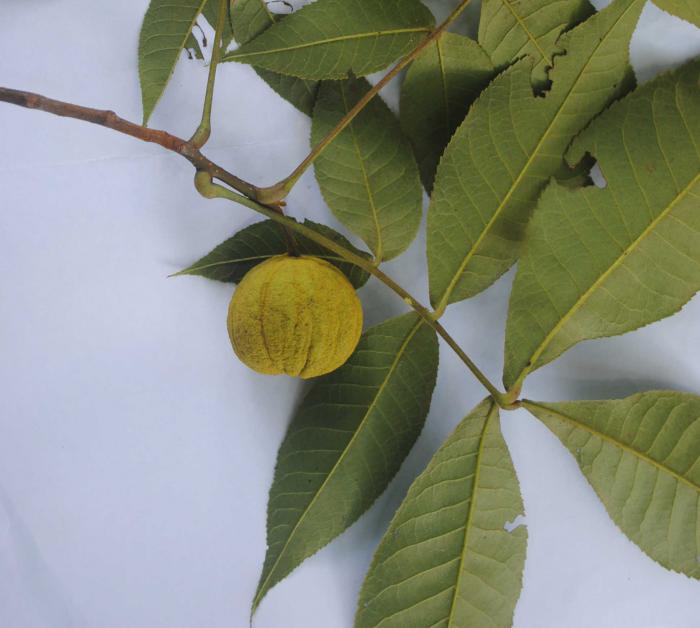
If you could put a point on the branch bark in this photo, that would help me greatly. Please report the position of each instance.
(111, 120)
(207, 171)
(208, 189)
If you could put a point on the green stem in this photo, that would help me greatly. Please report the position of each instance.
(201, 135)
(280, 190)
(203, 132)
(207, 188)
(207, 171)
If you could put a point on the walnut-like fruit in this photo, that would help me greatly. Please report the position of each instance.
(297, 316)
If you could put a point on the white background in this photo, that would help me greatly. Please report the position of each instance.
(136, 452)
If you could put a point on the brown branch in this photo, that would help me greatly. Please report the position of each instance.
(112, 121)
(208, 170)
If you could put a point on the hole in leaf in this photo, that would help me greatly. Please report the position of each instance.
(280, 7)
(597, 176)
(510, 526)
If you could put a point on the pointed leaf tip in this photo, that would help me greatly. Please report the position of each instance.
(233, 258)
(642, 456)
(166, 29)
(347, 441)
(688, 10)
(448, 558)
(440, 86)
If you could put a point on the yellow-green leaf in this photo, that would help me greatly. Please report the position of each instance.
(330, 38)
(439, 88)
(368, 174)
(252, 17)
(211, 13)
(602, 262)
(347, 440)
(642, 457)
(249, 18)
(688, 10)
(510, 29)
(233, 258)
(165, 32)
(448, 558)
(509, 146)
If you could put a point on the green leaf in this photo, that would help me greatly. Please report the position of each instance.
(347, 441)
(249, 18)
(252, 17)
(447, 558)
(439, 88)
(330, 38)
(232, 259)
(510, 29)
(602, 262)
(368, 175)
(211, 13)
(509, 146)
(688, 10)
(642, 457)
(165, 32)
(579, 174)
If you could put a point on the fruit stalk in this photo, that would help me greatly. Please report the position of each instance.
(209, 189)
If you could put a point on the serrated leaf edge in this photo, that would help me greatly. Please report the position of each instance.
(234, 56)
(148, 112)
(493, 412)
(598, 434)
(521, 22)
(445, 298)
(613, 267)
(263, 586)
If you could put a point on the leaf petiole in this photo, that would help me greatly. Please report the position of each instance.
(280, 190)
(207, 171)
(206, 187)
(201, 135)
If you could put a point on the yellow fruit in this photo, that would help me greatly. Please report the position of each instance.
(297, 316)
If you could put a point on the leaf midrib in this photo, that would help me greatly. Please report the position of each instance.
(321, 42)
(394, 365)
(628, 448)
(530, 36)
(379, 244)
(253, 258)
(270, 18)
(444, 301)
(239, 260)
(267, 11)
(180, 48)
(477, 474)
(443, 82)
(583, 299)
